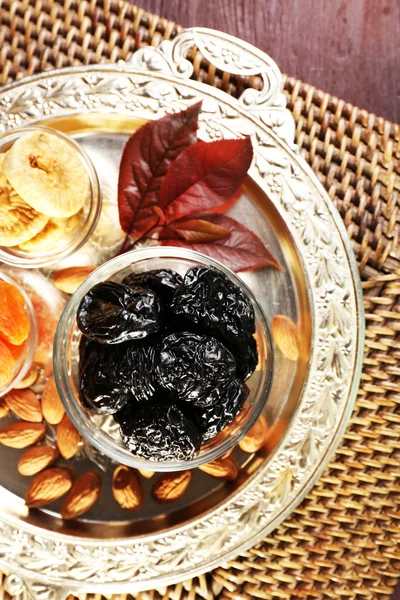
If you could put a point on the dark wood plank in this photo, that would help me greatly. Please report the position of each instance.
(350, 48)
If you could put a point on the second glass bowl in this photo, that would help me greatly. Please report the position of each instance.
(87, 219)
(101, 430)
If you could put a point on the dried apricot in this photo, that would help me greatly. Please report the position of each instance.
(6, 364)
(14, 322)
(16, 351)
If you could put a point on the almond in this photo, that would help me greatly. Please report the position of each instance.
(126, 488)
(171, 486)
(24, 405)
(68, 280)
(146, 474)
(36, 459)
(4, 410)
(29, 379)
(22, 434)
(256, 437)
(48, 486)
(221, 468)
(52, 407)
(228, 453)
(84, 493)
(285, 334)
(68, 438)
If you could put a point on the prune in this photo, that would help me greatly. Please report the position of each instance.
(210, 299)
(112, 313)
(158, 432)
(164, 282)
(86, 347)
(127, 412)
(105, 380)
(195, 367)
(213, 419)
(111, 375)
(246, 357)
(141, 358)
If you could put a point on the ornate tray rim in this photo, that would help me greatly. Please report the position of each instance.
(265, 111)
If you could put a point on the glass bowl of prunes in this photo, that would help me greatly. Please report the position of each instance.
(162, 359)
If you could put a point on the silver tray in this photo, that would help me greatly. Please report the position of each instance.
(310, 401)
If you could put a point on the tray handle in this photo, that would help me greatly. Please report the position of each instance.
(23, 588)
(234, 56)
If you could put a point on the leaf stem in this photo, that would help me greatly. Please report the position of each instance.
(128, 245)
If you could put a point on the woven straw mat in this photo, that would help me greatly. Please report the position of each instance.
(344, 540)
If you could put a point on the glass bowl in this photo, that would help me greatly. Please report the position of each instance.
(25, 360)
(101, 430)
(88, 217)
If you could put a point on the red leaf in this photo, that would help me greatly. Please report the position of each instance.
(241, 251)
(199, 230)
(159, 211)
(145, 160)
(205, 176)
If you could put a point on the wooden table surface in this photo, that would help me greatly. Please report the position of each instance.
(349, 48)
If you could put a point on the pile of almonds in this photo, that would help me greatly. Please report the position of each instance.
(51, 481)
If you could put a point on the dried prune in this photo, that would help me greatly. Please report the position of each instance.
(105, 384)
(195, 367)
(112, 313)
(211, 300)
(111, 375)
(246, 357)
(140, 360)
(157, 432)
(86, 347)
(213, 419)
(164, 282)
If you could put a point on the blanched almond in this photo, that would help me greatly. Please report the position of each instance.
(84, 493)
(221, 468)
(52, 407)
(68, 438)
(48, 486)
(285, 334)
(171, 486)
(36, 459)
(68, 280)
(24, 405)
(126, 488)
(256, 437)
(22, 434)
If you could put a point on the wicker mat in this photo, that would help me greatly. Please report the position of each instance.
(344, 540)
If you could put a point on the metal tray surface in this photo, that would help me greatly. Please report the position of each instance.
(310, 401)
